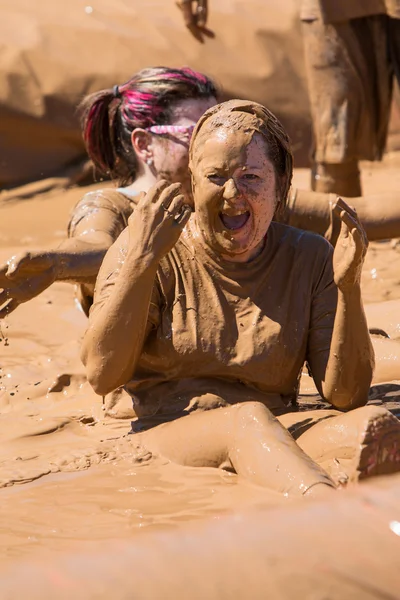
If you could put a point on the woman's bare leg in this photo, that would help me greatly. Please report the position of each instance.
(366, 441)
(247, 438)
(387, 359)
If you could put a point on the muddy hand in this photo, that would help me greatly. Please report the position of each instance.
(158, 220)
(194, 12)
(351, 247)
(23, 277)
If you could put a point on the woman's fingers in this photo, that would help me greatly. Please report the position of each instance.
(349, 221)
(359, 240)
(344, 230)
(187, 12)
(168, 195)
(16, 263)
(25, 264)
(349, 217)
(7, 303)
(8, 308)
(175, 206)
(162, 193)
(15, 291)
(184, 216)
(179, 210)
(194, 16)
(346, 214)
(153, 195)
(4, 296)
(344, 206)
(202, 13)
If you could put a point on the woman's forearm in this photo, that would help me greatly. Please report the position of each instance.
(118, 322)
(78, 260)
(114, 340)
(351, 359)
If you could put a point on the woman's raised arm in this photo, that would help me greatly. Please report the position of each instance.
(118, 322)
(345, 377)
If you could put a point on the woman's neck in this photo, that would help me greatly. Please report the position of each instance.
(142, 183)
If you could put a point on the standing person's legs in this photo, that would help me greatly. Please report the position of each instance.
(394, 45)
(349, 80)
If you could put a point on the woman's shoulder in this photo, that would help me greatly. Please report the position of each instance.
(304, 254)
(300, 240)
(108, 199)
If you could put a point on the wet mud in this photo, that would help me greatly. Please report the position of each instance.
(71, 474)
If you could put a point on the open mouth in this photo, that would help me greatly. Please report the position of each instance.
(234, 222)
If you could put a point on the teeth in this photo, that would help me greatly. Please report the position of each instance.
(234, 220)
(233, 213)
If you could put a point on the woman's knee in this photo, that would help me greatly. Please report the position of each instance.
(254, 412)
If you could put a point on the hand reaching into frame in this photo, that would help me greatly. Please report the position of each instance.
(23, 277)
(194, 12)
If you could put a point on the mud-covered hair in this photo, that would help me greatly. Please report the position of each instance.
(253, 117)
(108, 117)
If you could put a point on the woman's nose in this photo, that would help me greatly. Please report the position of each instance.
(231, 190)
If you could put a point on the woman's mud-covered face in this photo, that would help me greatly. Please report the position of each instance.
(234, 188)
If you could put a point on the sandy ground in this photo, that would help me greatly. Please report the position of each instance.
(67, 472)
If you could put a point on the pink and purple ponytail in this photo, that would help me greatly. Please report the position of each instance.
(108, 117)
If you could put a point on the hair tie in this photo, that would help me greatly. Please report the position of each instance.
(116, 92)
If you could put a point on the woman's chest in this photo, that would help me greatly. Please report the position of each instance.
(213, 319)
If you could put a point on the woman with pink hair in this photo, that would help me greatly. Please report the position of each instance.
(136, 134)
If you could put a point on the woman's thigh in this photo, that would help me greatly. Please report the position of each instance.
(210, 438)
(199, 439)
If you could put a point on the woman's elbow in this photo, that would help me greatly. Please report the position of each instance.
(97, 372)
(350, 397)
(100, 380)
(347, 401)
(99, 385)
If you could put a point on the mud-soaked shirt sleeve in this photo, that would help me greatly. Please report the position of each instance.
(323, 311)
(102, 211)
(108, 275)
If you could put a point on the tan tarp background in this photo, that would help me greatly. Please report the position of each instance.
(53, 52)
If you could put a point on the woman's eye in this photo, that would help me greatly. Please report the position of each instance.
(217, 179)
(250, 177)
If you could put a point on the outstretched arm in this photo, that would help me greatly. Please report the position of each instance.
(119, 323)
(77, 259)
(344, 379)
(312, 211)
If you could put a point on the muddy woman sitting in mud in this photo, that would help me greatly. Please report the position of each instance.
(207, 322)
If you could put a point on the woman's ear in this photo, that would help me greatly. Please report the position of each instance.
(193, 187)
(142, 143)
